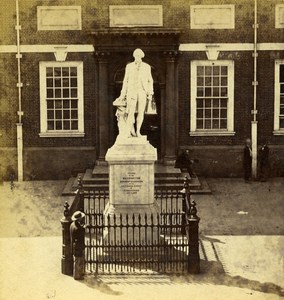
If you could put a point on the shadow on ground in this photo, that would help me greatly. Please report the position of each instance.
(212, 273)
(98, 284)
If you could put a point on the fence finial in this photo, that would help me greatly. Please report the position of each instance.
(193, 211)
(80, 183)
(66, 211)
(186, 188)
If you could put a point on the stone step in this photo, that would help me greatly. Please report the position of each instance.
(203, 189)
(176, 180)
(163, 171)
(97, 178)
(72, 185)
(68, 188)
(100, 171)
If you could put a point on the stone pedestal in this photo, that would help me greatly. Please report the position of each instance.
(131, 171)
(131, 183)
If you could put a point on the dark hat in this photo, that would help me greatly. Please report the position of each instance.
(78, 215)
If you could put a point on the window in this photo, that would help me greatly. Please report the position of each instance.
(212, 99)
(61, 98)
(279, 98)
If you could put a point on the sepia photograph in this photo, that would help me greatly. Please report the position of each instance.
(142, 149)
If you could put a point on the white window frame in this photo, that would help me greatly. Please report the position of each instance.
(277, 129)
(44, 132)
(193, 95)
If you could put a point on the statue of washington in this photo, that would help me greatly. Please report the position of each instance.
(136, 92)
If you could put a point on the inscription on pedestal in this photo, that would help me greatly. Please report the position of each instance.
(131, 183)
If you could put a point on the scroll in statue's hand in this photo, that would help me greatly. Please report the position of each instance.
(119, 102)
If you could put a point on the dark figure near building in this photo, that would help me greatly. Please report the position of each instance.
(247, 160)
(184, 163)
(77, 235)
(263, 154)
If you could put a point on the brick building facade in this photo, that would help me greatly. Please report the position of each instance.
(58, 81)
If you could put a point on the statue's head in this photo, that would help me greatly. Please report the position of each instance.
(138, 54)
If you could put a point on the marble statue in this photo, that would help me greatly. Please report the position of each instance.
(136, 92)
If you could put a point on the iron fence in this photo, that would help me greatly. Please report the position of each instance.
(162, 242)
(136, 244)
(168, 200)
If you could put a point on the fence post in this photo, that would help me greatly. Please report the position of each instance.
(67, 258)
(185, 193)
(81, 194)
(193, 240)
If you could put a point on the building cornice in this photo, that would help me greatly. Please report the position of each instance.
(46, 48)
(231, 46)
(185, 47)
(136, 31)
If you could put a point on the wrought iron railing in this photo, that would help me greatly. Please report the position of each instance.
(135, 243)
(165, 242)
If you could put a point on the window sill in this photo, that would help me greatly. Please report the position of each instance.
(278, 132)
(61, 134)
(212, 133)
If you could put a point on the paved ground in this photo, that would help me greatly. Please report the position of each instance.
(239, 208)
(241, 268)
(34, 208)
(241, 236)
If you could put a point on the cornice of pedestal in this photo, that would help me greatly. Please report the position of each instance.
(131, 151)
